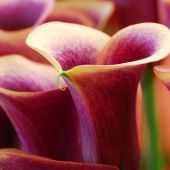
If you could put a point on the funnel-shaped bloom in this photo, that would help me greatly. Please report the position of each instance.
(104, 92)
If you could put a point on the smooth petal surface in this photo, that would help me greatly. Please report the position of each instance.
(19, 14)
(45, 122)
(69, 44)
(105, 95)
(16, 160)
(90, 13)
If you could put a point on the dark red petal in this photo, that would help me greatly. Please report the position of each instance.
(45, 122)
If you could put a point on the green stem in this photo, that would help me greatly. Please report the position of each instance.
(155, 156)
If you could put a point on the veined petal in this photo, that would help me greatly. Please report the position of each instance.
(45, 122)
(69, 44)
(91, 13)
(17, 14)
(16, 160)
(105, 94)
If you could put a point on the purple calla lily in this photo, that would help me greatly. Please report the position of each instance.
(90, 117)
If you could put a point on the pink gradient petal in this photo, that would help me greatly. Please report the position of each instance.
(20, 74)
(19, 14)
(135, 45)
(69, 44)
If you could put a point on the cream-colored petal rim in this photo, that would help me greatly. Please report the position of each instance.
(163, 73)
(162, 38)
(42, 39)
(162, 51)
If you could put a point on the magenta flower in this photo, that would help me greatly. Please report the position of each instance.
(90, 116)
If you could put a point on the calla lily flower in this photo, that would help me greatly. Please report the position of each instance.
(17, 20)
(90, 116)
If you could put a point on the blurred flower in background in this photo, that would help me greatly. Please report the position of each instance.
(19, 17)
